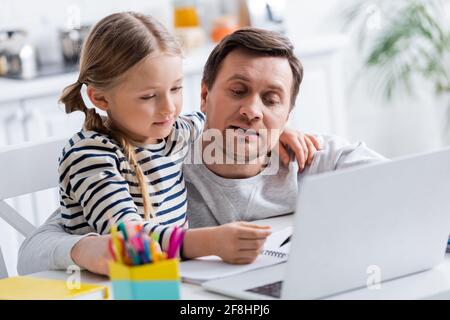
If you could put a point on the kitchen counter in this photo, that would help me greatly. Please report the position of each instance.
(13, 89)
(16, 90)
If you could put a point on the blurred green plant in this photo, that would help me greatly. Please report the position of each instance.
(401, 40)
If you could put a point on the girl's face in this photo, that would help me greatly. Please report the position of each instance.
(148, 99)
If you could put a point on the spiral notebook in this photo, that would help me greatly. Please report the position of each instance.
(276, 250)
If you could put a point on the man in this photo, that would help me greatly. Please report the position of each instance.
(249, 86)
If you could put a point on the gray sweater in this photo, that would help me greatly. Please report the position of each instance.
(212, 200)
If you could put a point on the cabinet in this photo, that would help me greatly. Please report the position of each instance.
(23, 120)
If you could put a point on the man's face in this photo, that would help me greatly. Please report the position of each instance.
(249, 101)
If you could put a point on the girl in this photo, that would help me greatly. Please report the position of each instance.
(128, 165)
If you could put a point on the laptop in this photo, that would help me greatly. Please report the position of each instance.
(357, 227)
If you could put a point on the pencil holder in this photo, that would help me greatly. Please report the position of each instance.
(153, 281)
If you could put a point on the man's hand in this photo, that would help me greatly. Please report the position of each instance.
(239, 242)
(303, 145)
(92, 253)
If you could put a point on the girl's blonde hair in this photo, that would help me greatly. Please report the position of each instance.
(114, 45)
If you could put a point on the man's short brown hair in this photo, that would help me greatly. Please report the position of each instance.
(259, 42)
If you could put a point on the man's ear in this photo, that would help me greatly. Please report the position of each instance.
(98, 98)
(203, 95)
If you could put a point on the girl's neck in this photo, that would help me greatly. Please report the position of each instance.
(135, 139)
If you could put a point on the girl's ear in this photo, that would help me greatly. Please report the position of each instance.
(98, 98)
(203, 95)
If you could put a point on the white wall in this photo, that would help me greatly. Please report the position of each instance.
(406, 125)
(311, 18)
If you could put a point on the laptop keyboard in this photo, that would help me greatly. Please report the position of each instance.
(271, 289)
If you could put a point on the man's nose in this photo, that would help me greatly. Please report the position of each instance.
(252, 110)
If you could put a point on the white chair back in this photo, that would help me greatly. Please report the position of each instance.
(24, 169)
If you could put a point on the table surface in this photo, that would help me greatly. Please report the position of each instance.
(432, 284)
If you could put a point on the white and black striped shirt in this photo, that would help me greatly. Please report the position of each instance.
(96, 180)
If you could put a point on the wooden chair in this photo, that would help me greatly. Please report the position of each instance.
(24, 169)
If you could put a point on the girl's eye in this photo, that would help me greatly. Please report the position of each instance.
(148, 97)
(176, 89)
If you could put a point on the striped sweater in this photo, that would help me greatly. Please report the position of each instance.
(96, 181)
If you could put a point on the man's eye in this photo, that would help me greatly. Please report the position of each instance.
(271, 101)
(148, 97)
(238, 92)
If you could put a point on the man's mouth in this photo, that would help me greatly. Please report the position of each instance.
(248, 133)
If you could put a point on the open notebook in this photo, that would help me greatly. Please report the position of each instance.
(212, 267)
